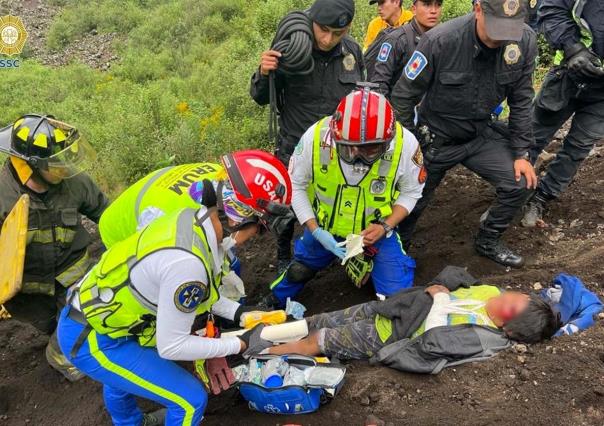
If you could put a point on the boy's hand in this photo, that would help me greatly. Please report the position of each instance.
(437, 288)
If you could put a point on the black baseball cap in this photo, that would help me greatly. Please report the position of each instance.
(332, 13)
(504, 19)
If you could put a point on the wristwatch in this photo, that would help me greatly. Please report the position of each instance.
(526, 156)
(386, 227)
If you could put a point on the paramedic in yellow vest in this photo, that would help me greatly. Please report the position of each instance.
(45, 158)
(356, 172)
(130, 318)
(392, 15)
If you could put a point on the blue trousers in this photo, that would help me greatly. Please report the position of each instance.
(127, 369)
(392, 271)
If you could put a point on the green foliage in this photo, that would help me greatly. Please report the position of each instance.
(179, 92)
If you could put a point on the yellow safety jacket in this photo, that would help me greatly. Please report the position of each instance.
(341, 208)
(107, 299)
(166, 189)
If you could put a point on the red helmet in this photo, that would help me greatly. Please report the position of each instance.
(363, 126)
(259, 180)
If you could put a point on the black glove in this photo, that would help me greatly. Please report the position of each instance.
(583, 61)
(203, 193)
(277, 224)
(253, 342)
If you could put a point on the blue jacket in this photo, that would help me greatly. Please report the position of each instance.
(556, 21)
(577, 305)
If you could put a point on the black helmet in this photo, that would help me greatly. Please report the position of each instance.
(46, 144)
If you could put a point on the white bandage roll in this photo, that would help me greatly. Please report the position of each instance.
(280, 333)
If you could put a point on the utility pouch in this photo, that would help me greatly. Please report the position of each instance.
(556, 91)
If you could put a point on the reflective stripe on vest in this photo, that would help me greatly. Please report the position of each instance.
(66, 278)
(343, 209)
(109, 301)
(586, 34)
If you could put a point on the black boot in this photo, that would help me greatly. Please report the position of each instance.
(533, 211)
(489, 244)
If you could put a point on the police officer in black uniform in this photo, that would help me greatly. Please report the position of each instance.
(576, 86)
(464, 68)
(386, 57)
(304, 99)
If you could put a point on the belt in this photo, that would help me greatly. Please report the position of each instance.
(79, 317)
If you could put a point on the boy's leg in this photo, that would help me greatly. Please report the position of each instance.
(309, 257)
(342, 317)
(356, 340)
(127, 369)
(393, 270)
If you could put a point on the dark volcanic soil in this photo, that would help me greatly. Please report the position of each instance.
(555, 383)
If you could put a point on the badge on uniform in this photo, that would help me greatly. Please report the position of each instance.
(416, 65)
(378, 186)
(533, 4)
(384, 52)
(188, 296)
(512, 54)
(349, 62)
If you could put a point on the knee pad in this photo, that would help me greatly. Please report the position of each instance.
(299, 273)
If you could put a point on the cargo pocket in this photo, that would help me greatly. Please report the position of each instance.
(555, 92)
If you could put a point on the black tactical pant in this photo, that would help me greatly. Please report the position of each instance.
(586, 129)
(490, 157)
(39, 310)
(283, 151)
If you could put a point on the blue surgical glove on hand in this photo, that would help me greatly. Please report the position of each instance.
(329, 242)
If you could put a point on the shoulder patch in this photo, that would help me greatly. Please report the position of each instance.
(418, 157)
(384, 52)
(188, 296)
(416, 65)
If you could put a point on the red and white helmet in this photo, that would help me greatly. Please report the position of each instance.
(259, 180)
(363, 126)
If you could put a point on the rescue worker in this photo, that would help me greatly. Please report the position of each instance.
(355, 172)
(387, 56)
(463, 69)
(45, 159)
(391, 15)
(574, 86)
(130, 318)
(304, 99)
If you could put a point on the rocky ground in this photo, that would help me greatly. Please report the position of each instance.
(93, 49)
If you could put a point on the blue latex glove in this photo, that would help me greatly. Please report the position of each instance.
(329, 242)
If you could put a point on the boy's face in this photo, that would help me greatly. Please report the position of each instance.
(507, 306)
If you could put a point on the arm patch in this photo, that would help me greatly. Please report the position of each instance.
(188, 296)
(416, 65)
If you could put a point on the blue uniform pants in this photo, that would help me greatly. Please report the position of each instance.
(392, 271)
(127, 369)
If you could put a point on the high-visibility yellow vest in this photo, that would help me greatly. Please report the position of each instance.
(341, 208)
(166, 189)
(110, 304)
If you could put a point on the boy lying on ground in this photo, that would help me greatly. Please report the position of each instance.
(480, 321)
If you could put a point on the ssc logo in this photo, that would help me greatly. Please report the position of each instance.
(416, 65)
(12, 35)
(384, 52)
(189, 296)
